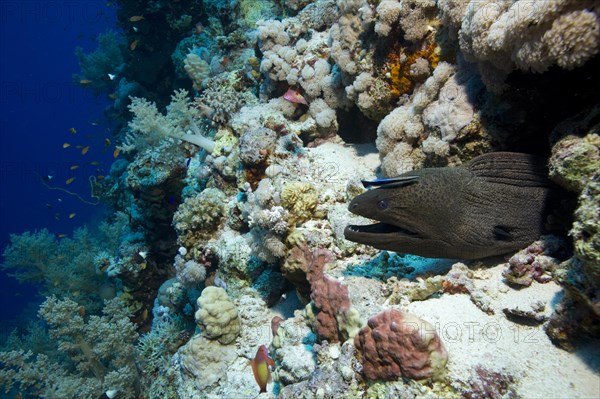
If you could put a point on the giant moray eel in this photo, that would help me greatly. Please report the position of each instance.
(495, 204)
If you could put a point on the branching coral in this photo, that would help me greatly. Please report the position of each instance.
(149, 127)
(97, 354)
(199, 215)
(65, 267)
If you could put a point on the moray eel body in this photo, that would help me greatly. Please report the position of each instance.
(493, 205)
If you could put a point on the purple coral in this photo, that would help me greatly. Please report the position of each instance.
(330, 298)
(395, 344)
(534, 263)
(490, 384)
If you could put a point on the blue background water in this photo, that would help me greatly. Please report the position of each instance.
(39, 102)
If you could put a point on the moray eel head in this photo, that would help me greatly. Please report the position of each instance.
(398, 212)
(495, 204)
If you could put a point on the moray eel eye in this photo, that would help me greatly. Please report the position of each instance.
(382, 205)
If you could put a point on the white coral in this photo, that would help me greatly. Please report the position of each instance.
(524, 34)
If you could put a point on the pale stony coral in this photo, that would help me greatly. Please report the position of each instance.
(197, 69)
(412, 15)
(201, 364)
(219, 100)
(190, 273)
(300, 199)
(430, 119)
(217, 315)
(502, 35)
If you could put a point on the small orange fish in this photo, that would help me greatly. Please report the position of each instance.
(133, 44)
(74, 167)
(106, 141)
(100, 177)
(85, 82)
(260, 368)
(62, 235)
(85, 150)
(66, 145)
(70, 180)
(94, 163)
(113, 96)
(136, 18)
(78, 146)
(72, 215)
(116, 153)
(72, 130)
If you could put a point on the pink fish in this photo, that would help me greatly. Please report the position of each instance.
(260, 367)
(294, 96)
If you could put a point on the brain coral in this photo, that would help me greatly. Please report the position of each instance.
(217, 315)
(395, 344)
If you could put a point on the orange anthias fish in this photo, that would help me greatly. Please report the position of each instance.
(260, 368)
(136, 18)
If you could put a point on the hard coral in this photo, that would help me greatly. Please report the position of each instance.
(396, 344)
(536, 262)
(300, 199)
(217, 315)
(333, 318)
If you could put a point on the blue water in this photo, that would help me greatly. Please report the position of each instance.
(39, 103)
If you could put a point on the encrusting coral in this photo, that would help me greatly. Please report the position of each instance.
(330, 311)
(395, 344)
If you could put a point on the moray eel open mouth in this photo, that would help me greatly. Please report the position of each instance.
(361, 233)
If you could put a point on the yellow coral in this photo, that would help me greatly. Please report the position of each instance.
(400, 62)
(300, 199)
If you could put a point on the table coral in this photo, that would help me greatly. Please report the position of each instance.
(396, 344)
(217, 315)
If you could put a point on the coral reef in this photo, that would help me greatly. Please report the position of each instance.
(536, 262)
(574, 164)
(243, 129)
(395, 344)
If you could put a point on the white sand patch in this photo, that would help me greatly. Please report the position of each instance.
(473, 338)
